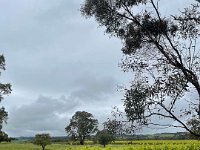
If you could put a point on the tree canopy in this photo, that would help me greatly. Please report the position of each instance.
(81, 126)
(162, 53)
(43, 140)
(5, 89)
(114, 127)
(4, 137)
(104, 137)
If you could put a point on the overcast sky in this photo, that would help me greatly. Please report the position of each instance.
(58, 62)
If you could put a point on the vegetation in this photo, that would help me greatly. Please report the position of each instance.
(114, 127)
(4, 137)
(104, 137)
(42, 140)
(112, 130)
(162, 53)
(81, 126)
(119, 145)
(5, 89)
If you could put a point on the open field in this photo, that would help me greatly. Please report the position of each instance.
(119, 145)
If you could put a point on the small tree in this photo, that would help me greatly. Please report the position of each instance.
(114, 127)
(81, 125)
(104, 137)
(42, 140)
(119, 125)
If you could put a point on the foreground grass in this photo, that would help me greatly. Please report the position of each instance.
(120, 145)
(29, 146)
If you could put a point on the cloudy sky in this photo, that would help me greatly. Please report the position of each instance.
(58, 62)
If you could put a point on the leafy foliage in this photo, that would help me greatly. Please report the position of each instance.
(5, 89)
(42, 140)
(82, 125)
(113, 126)
(4, 137)
(162, 53)
(104, 137)
(195, 126)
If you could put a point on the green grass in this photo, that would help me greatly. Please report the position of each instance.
(119, 145)
(16, 146)
(29, 146)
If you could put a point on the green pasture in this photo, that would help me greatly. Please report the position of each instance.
(118, 145)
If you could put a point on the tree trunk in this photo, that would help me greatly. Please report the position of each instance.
(43, 147)
(199, 108)
(82, 142)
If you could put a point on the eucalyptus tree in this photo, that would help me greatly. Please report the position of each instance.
(82, 125)
(5, 89)
(162, 52)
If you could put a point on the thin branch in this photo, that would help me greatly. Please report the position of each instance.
(178, 120)
(159, 114)
(169, 40)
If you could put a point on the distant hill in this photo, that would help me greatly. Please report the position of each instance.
(156, 136)
(159, 136)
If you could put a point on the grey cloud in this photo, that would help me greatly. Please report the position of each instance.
(89, 93)
(40, 24)
(45, 114)
(52, 46)
(93, 88)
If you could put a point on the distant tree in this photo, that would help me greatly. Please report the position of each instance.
(118, 126)
(4, 137)
(113, 127)
(104, 137)
(162, 51)
(5, 89)
(81, 126)
(42, 140)
(194, 125)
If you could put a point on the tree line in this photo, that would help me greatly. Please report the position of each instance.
(82, 125)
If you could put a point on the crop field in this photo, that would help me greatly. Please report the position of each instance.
(119, 145)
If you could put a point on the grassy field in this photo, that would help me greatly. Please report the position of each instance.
(119, 145)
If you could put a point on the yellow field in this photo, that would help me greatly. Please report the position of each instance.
(119, 145)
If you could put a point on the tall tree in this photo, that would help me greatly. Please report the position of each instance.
(5, 89)
(163, 54)
(82, 125)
